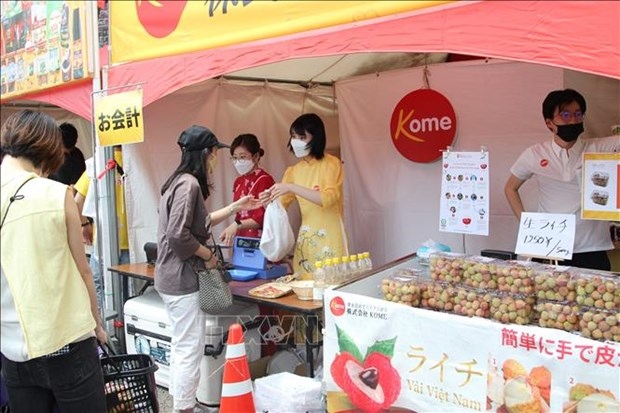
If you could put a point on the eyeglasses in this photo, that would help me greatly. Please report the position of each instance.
(241, 158)
(567, 116)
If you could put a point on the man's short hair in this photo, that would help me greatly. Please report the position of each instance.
(69, 135)
(559, 98)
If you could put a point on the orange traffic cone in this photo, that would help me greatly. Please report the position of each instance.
(236, 384)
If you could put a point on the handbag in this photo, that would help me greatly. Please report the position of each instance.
(214, 293)
(277, 239)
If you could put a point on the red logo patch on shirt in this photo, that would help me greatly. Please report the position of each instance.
(544, 162)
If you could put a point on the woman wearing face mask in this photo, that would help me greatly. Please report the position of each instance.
(184, 227)
(557, 163)
(316, 182)
(246, 153)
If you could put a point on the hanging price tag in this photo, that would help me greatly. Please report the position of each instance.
(544, 235)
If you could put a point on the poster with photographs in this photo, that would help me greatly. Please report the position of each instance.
(43, 45)
(464, 201)
(600, 186)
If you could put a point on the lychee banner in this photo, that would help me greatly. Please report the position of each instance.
(464, 201)
(409, 359)
(144, 29)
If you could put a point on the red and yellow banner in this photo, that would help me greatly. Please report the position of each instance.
(144, 29)
(44, 45)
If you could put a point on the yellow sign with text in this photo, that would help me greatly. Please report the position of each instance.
(145, 29)
(118, 118)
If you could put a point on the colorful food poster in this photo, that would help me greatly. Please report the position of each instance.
(408, 359)
(43, 45)
(601, 186)
(464, 201)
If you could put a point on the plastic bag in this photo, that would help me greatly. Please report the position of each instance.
(277, 239)
(428, 247)
(287, 392)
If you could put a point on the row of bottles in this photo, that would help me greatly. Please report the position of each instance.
(335, 271)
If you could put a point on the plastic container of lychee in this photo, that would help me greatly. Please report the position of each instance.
(559, 315)
(439, 296)
(597, 289)
(472, 302)
(516, 277)
(404, 287)
(480, 272)
(597, 324)
(508, 308)
(555, 283)
(446, 266)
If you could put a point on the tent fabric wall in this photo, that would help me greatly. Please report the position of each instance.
(229, 108)
(392, 204)
(579, 35)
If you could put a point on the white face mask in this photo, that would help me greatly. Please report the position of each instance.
(299, 148)
(243, 166)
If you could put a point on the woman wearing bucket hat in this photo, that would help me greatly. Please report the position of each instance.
(184, 227)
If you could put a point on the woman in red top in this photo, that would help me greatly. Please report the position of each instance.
(246, 153)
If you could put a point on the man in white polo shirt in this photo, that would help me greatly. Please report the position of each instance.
(557, 163)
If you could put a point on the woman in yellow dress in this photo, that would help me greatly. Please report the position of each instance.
(316, 182)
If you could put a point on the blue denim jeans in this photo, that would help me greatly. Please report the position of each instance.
(73, 381)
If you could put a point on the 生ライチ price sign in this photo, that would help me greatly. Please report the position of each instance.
(544, 235)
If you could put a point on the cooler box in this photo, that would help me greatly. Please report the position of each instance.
(148, 331)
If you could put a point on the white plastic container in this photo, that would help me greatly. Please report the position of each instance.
(212, 367)
(148, 331)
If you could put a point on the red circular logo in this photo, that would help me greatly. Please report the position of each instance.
(544, 163)
(160, 18)
(423, 123)
(336, 306)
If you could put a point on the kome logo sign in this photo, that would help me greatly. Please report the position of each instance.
(423, 124)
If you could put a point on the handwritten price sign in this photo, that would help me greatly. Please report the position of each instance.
(543, 235)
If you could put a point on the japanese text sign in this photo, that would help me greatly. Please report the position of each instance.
(118, 118)
(545, 235)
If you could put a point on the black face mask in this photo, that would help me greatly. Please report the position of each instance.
(569, 133)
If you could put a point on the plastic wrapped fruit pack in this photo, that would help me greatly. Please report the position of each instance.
(480, 272)
(511, 308)
(562, 316)
(516, 277)
(600, 324)
(472, 302)
(555, 283)
(404, 287)
(597, 290)
(447, 266)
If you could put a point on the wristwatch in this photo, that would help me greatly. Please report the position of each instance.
(238, 222)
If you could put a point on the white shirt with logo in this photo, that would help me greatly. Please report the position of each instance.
(559, 179)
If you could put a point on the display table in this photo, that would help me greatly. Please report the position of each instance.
(430, 361)
(309, 311)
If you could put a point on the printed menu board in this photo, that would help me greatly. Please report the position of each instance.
(464, 202)
(43, 45)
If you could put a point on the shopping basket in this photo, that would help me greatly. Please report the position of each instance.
(129, 383)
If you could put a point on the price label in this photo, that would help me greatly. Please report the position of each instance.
(544, 235)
